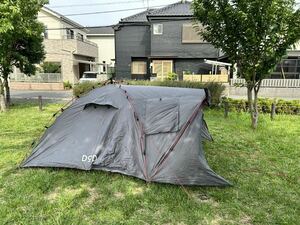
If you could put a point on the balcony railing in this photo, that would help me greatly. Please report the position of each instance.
(80, 39)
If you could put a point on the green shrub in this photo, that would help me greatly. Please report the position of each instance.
(51, 67)
(67, 85)
(85, 87)
(215, 89)
(172, 76)
(264, 105)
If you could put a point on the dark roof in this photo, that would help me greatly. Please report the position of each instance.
(182, 8)
(100, 30)
(139, 17)
(176, 9)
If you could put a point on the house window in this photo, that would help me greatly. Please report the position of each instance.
(157, 29)
(70, 34)
(104, 66)
(80, 37)
(162, 68)
(190, 34)
(139, 67)
(288, 68)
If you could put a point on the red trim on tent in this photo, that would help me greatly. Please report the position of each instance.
(142, 137)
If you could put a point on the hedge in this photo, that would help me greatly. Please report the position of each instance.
(216, 89)
(85, 87)
(264, 105)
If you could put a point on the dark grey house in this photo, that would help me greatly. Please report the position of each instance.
(159, 41)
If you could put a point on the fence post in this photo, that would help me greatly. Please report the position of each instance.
(273, 111)
(40, 103)
(226, 108)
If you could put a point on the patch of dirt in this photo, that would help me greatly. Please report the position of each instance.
(58, 193)
(52, 196)
(179, 223)
(119, 195)
(216, 221)
(202, 198)
(93, 196)
(137, 191)
(246, 220)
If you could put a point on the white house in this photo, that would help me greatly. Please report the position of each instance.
(65, 44)
(104, 37)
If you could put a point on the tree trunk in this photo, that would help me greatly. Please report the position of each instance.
(3, 107)
(252, 106)
(255, 110)
(250, 98)
(7, 91)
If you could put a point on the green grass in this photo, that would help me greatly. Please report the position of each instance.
(263, 166)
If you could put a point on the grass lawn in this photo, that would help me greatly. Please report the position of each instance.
(263, 165)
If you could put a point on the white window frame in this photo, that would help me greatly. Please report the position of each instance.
(161, 28)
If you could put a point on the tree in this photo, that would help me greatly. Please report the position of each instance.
(51, 67)
(21, 41)
(254, 34)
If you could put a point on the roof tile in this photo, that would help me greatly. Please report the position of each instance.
(182, 8)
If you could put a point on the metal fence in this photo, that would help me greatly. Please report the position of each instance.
(38, 78)
(287, 83)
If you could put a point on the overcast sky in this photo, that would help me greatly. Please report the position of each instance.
(66, 7)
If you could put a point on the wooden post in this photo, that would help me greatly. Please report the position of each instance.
(226, 108)
(40, 103)
(273, 111)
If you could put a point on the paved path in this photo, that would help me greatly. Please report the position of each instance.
(51, 95)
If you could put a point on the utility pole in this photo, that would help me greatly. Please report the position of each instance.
(147, 4)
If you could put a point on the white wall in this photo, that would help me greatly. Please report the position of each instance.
(76, 31)
(297, 46)
(58, 26)
(106, 47)
(52, 23)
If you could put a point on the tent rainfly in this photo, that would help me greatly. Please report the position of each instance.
(152, 133)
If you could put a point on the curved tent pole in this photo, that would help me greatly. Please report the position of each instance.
(141, 128)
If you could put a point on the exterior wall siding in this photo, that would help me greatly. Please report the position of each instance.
(56, 26)
(131, 41)
(170, 43)
(84, 48)
(106, 47)
(63, 51)
(52, 23)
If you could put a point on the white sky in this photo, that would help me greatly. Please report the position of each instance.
(106, 5)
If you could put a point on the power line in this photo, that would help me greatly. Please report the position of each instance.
(95, 4)
(102, 12)
(91, 27)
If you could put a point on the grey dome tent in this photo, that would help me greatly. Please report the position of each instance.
(152, 133)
